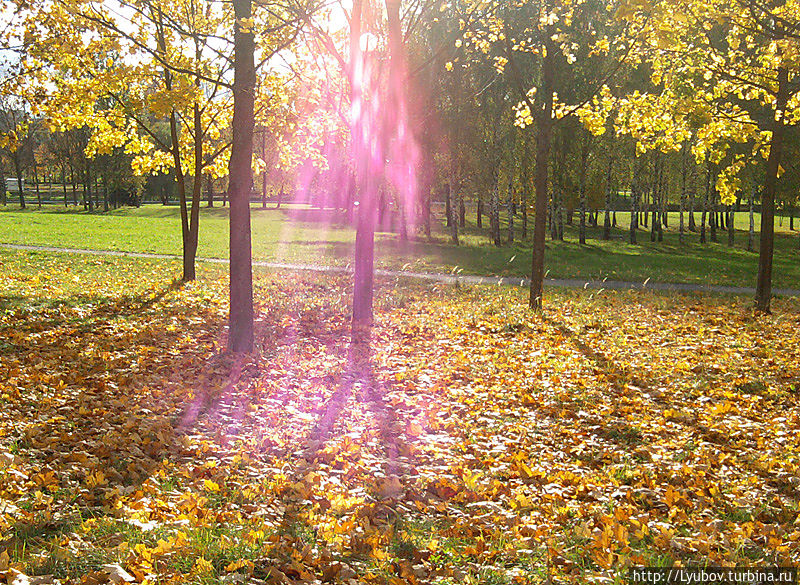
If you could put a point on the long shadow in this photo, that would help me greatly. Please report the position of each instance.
(708, 434)
(83, 377)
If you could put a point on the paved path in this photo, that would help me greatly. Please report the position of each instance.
(441, 277)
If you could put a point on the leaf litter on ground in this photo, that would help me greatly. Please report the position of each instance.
(468, 442)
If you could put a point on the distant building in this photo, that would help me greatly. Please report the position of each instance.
(13, 185)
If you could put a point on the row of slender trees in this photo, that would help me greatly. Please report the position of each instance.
(404, 99)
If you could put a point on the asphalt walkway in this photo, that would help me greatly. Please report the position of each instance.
(442, 277)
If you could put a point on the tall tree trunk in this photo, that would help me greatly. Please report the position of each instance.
(684, 172)
(654, 198)
(452, 220)
(364, 260)
(661, 196)
(524, 234)
(634, 223)
(190, 244)
(704, 211)
(510, 211)
(479, 213)
(18, 169)
(2, 184)
(544, 131)
(448, 208)
(74, 185)
(495, 211)
(607, 214)
(582, 190)
(526, 192)
(105, 194)
(240, 331)
(731, 226)
(89, 180)
(264, 174)
(767, 244)
(751, 232)
(36, 183)
(713, 222)
(426, 213)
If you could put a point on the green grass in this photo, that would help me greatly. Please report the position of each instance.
(300, 234)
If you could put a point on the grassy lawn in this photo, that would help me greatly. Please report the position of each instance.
(470, 443)
(303, 235)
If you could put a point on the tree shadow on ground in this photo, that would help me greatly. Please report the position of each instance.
(623, 382)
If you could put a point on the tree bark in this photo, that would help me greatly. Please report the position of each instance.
(731, 226)
(704, 211)
(544, 131)
(582, 188)
(240, 332)
(495, 218)
(607, 214)
(510, 211)
(751, 233)
(452, 219)
(767, 244)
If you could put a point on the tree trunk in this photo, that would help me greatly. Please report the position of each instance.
(448, 208)
(240, 332)
(452, 219)
(364, 260)
(525, 219)
(210, 191)
(89, 179)
(105, 194)
(713, 217)
(751, 233)
(426, 213)
(510, 211)
(74, 185)
(684, 172)
(18, 169)
(479, 213)
(544, 131)
(3, 184)
(731, 226)
(661, 197)
(495, 219)
(264, 174)
(704, 211)
(607, 214)
(36, 183)
(582, 191)
(766, 248)
(634, 224)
